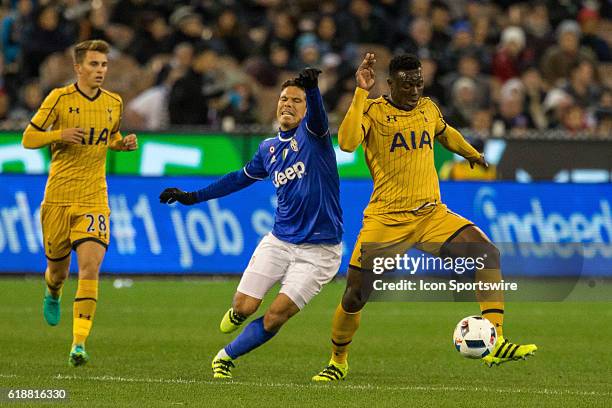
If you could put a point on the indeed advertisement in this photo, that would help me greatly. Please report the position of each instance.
(540, 228)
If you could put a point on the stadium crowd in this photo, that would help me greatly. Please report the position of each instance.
(497, 67)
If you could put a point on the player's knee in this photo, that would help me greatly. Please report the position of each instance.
(353, 300)
(89, 269)
(244, 307)
(57, 275)
(275, 318)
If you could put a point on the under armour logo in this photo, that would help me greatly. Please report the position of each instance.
(84, 316)
(391, 118)
(424, 117)
(71, 110)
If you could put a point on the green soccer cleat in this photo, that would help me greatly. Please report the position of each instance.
(222, 367)
(505, 351)
(333, 372)
(231, 321)
(51, 309)
(78, 356)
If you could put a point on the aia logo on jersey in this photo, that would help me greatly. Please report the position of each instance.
(73, 110)
(399, 141)
(93, 140)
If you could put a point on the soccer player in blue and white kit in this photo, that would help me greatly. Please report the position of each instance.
(303, 250)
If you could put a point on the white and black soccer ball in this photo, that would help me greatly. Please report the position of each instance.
(474, 337)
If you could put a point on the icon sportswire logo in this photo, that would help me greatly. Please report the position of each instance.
(290, 173)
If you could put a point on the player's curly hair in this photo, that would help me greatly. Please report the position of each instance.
(292, 82)
(404, 62)
(80, 50)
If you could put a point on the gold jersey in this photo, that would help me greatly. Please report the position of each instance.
(78, 171)
(399, 150)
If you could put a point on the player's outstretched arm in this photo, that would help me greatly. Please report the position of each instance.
(355, 126)
(454, 141)
(35, 138)
(316, 117)
(228, 184)
(128, 143)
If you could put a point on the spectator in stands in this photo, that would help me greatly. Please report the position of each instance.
(558, 59)
(417, 41)
(512, 118)
(98, 25)
(31, 96)
(232, 36)
(366, 24)
(582, 86)
(43, 35)
(535, 94)
(538, 29)
(282, 33)
(331, 40)
(603, 114)
(149, 110)
(129, 12)
(510, 58)
(480, 126)
(308, 52)
(574, 119)
(462, 43)
(556, 103)
(440, 23)
(469, 67)
(191, 95)
(12, 34)
(240, 105)
(152, 37)
(187, 26)
(432, 87)
(464, 102)
(589, 20)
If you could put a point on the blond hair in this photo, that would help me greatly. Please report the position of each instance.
(80, 50)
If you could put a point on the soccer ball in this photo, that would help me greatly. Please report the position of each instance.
(474, 337)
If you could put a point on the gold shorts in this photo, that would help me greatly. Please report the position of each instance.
(65, 227)
(429, 229)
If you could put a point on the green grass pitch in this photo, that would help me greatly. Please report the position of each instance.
(152, 344)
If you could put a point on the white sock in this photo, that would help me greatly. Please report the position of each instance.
(222, 354)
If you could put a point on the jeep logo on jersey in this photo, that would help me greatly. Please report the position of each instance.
(282, 177)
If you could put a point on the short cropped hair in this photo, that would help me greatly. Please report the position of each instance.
(404, 62)
(292, 82)
(80, 50)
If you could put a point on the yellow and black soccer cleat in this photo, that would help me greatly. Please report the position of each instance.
(231, 321)
(222, 367)
(333, 372)
(505, 351)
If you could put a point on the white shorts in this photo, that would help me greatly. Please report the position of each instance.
(302, 269)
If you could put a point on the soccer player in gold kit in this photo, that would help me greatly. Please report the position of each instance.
(397, 133)
(79, 122)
